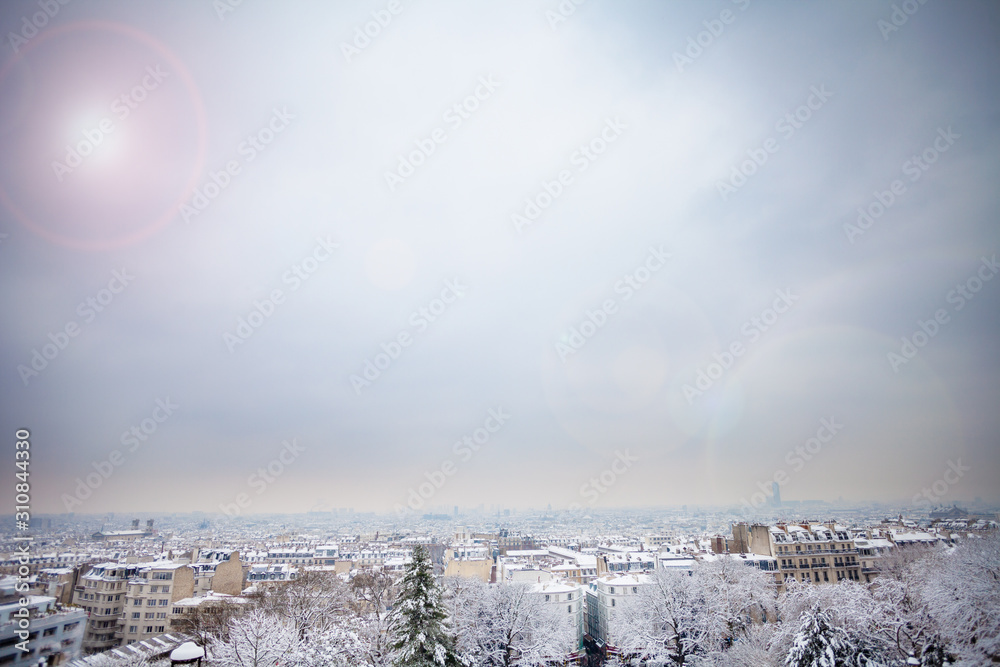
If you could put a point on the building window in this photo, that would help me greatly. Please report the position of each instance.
(136, 615)
(133, 629)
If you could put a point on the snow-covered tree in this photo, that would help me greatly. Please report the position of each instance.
(208, 622)
(312, 602)
(419, 623)
(337, 646)
(737, 596)
(818, 643)
(666, 621)
(901, 616)
(753, 649)
(256, 639)
(962, 594)
(374, 595)
(510, 624)
(847, 606)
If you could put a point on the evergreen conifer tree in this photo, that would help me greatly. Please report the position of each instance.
(419, 625)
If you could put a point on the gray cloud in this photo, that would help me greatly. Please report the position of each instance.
(656, 184)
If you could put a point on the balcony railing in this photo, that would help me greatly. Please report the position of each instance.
(98, 616)
(817, 551)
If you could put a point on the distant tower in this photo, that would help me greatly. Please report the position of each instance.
(775, 494)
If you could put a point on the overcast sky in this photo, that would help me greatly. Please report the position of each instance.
(633, 229)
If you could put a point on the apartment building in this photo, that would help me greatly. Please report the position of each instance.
(653, 542)
(326, 554)
(869, 552)
(54, 582)
(125, 535)
(101, 592)
(621, 562)
(55, 633)
(293, 556)
(566, 598)
(220, 574)
(604, 596)
(39, 562)
(152, 588)
(808, 552)
(577, 567)
(263, 573)
(469, 559)
(377, 557)
(214, 603)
